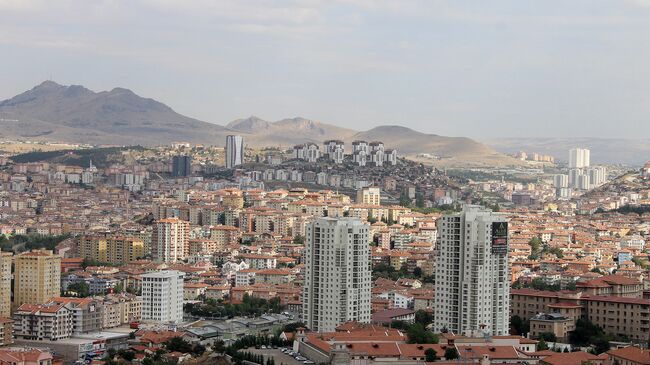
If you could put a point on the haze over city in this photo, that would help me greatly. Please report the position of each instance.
(457, 68)
(347, 182)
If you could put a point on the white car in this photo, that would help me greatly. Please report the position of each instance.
(307, 362)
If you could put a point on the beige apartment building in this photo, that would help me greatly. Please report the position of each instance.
(5, 284)
(369, 195)
(170, 240)
(623, 316)
(115, 250)
(37, 277)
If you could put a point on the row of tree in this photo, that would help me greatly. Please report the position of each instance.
(250, 306)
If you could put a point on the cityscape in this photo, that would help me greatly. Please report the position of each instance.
(132, 234)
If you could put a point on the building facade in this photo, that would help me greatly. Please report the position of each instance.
(170, 240)
(162, 296)
(337, 285)
(5, 284)
(37, 277)
(234, 151)
(181, 165)
(472, 282)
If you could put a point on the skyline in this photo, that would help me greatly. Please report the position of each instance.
(432, 68)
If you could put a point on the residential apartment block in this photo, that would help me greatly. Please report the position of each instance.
(337, 282)
(37, 277)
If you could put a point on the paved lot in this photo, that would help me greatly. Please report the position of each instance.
(277, 355)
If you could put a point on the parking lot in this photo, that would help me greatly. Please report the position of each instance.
(277, 355)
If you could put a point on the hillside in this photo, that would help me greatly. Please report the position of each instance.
(75, 114)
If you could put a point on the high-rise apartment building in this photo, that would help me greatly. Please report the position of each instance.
(369, 195)
(472, 282)
(578, 158)
(181, 165)
(37, 277)
(234, 151)
(162, 296)
(170, 240)
(5, 284)
(337, 284)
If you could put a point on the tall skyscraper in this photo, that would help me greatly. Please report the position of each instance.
(234, 151)
(579, 158)
(5, 284)
(170, 240)
(337, 284)
(181, 165)
(162, 296)
(37, 277)
(472, 290)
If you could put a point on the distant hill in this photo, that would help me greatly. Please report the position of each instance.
(288, 131)
(75, 114)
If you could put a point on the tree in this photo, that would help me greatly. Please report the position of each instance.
(298, 240)
(395, 323)
(178, 344)
(416, 333)
(417, 272)
(542, 345)
(423, 317)
(198, 349)
(548, 336)
(430, 355)
(126, 355)
(451, 353)
(519, 326)
(535, 244)
(601, 345)
(80, 289)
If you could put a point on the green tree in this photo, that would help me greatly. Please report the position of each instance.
(178, 344)
(451, 353)
(548, 336)
(430, 355)
(79, 289)
(542, 345)
(298, 240)
(519, 326)
(601, 345)
(535, 244)
(416, 333)
(126, 355)
(423, 317)
(417, 272)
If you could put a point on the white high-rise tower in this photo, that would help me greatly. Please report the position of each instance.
(337, 284)
(234, 151)
(162, 296)
(472, 294)
(579, 158)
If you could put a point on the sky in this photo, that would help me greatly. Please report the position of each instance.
(482, 69)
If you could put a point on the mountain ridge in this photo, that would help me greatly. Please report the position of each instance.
(74, 114)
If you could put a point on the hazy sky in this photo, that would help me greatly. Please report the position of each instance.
(472, 68)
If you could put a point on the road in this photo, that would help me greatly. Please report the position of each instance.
(277, 355)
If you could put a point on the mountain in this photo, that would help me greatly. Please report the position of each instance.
(633, 152)
(288, 132)
(75, 114)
